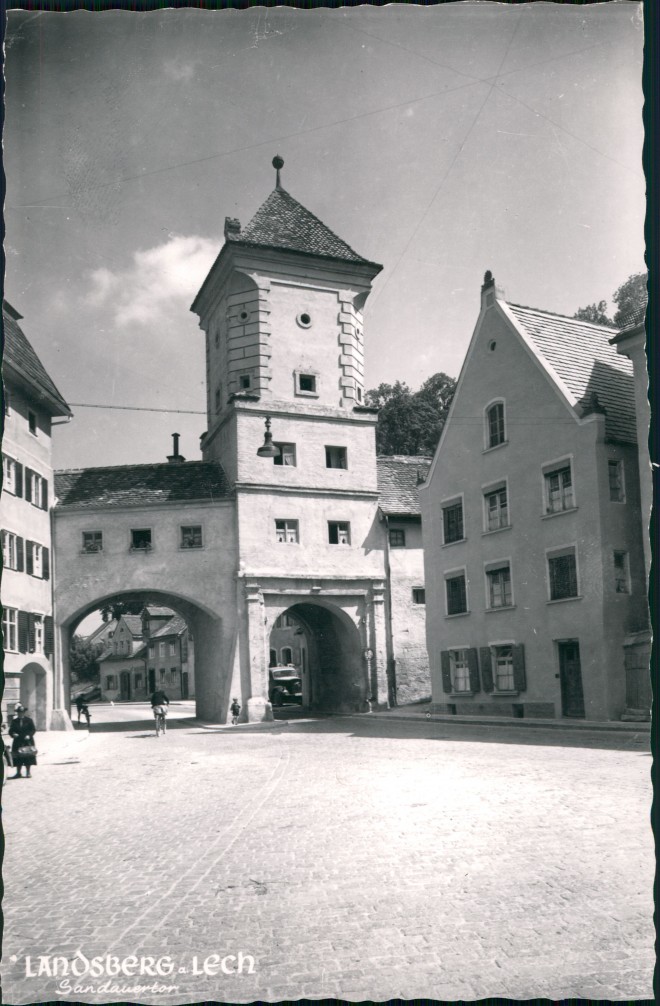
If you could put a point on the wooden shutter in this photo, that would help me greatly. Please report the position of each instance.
(45, 563)
(18, 479)
(31, 634)
(29, 562)
(28, 484)
(446, 671)
(20, 554)
(519, 678)
(49, 636)
(44, 495)
(486, 668)
(473, 668)
(22, 631)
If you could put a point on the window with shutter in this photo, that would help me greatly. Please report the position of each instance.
(445, 666)
(460, 670)
(503, 666)
(29, 560)
(485, 657)
(519, 677)
(20, 554)
(45, 563)
(49, 636)
(10, 629)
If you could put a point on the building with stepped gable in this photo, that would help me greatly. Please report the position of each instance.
(290, 512)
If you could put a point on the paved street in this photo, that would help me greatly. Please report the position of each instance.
(351, 857)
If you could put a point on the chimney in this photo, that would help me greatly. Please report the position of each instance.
(232, 228)
(489, 292)
(175, 458)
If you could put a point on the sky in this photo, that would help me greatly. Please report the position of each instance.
(438, 141)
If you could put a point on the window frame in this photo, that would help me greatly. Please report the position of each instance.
(86, 550)
(336, 452)
(279, 460)
(498, 566)
(394, 532)
(454, 574)
(465, 667)
(493, 489)
(621, 471)
(242, 377)
(183, 528)
(9, 549)
(494, 403)
(33, 425)
(341, 526)
(450, 503)
(494, 647)
(626, 570)
(290, 524)
(147, 547)
(298, 376)
(557, 467)
(9, 474)
(9, 629)
(417, 591)
(558, 552)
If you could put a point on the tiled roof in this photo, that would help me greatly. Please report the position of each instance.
(134, 624)
(398, 480)
(109, 654)
(281, 222)
(19, 355)
(581, 356)
(157, 611)
(127, 485)
(174, 627)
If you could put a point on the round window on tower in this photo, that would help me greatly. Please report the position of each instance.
(304, 320)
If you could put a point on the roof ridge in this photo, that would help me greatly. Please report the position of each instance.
(144, 464)
(565, 317)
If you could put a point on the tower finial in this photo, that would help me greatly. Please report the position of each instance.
(277, 164)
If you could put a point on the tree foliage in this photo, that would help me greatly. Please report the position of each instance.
(630, 300)
(83, 659)
(410, 422)
(116, 609)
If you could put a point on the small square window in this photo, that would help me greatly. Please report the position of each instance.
(419, 595)
(339, 532)
(616, 483)
(335, 457)
(191, 536)
(452, 519)
(141, 539)
(32, 422)
(456, 594)
(287, 455)
(286, 532)
(397, 538)
(244, 381)
(305, 383)
(92, 541)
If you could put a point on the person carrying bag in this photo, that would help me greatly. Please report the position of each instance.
(23, 750)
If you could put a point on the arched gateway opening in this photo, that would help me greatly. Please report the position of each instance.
(185, 671)
(322, 645)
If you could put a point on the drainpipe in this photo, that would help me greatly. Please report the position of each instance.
(389, 639)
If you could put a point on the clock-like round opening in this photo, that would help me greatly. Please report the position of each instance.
(304, 320)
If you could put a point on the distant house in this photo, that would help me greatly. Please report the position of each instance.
(32, 403)
(170, 662)
(122, 664)
(533, 539)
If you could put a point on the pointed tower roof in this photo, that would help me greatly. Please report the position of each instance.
(282, 222)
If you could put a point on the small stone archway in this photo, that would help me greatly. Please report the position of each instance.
(34, 693)
(335, 674)
(212, 662)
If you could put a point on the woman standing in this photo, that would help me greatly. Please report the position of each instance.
(22, 729)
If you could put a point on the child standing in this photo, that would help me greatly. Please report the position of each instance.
(235, 710)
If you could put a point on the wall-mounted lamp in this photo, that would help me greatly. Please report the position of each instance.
(268, 448)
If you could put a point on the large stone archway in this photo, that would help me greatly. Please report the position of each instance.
(211, 660)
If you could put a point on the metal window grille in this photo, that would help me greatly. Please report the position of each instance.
(453, 522)
(456, 595)
(563, 576)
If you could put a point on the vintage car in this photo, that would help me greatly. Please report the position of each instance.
(284, 685)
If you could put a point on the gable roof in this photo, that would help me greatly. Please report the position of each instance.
(127, 485)
(579, 353)
(174, 627)
(109, 654)
(398, 483)
(158, 611)
(134, 624)
(20, 357)
(282, 222)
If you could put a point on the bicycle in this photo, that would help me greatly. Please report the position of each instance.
(160, 714)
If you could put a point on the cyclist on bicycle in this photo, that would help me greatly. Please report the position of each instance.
(158, 699)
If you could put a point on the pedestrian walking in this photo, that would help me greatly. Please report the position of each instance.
(235, 710)
(23, 751)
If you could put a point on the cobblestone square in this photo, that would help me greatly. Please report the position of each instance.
(357, 858)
